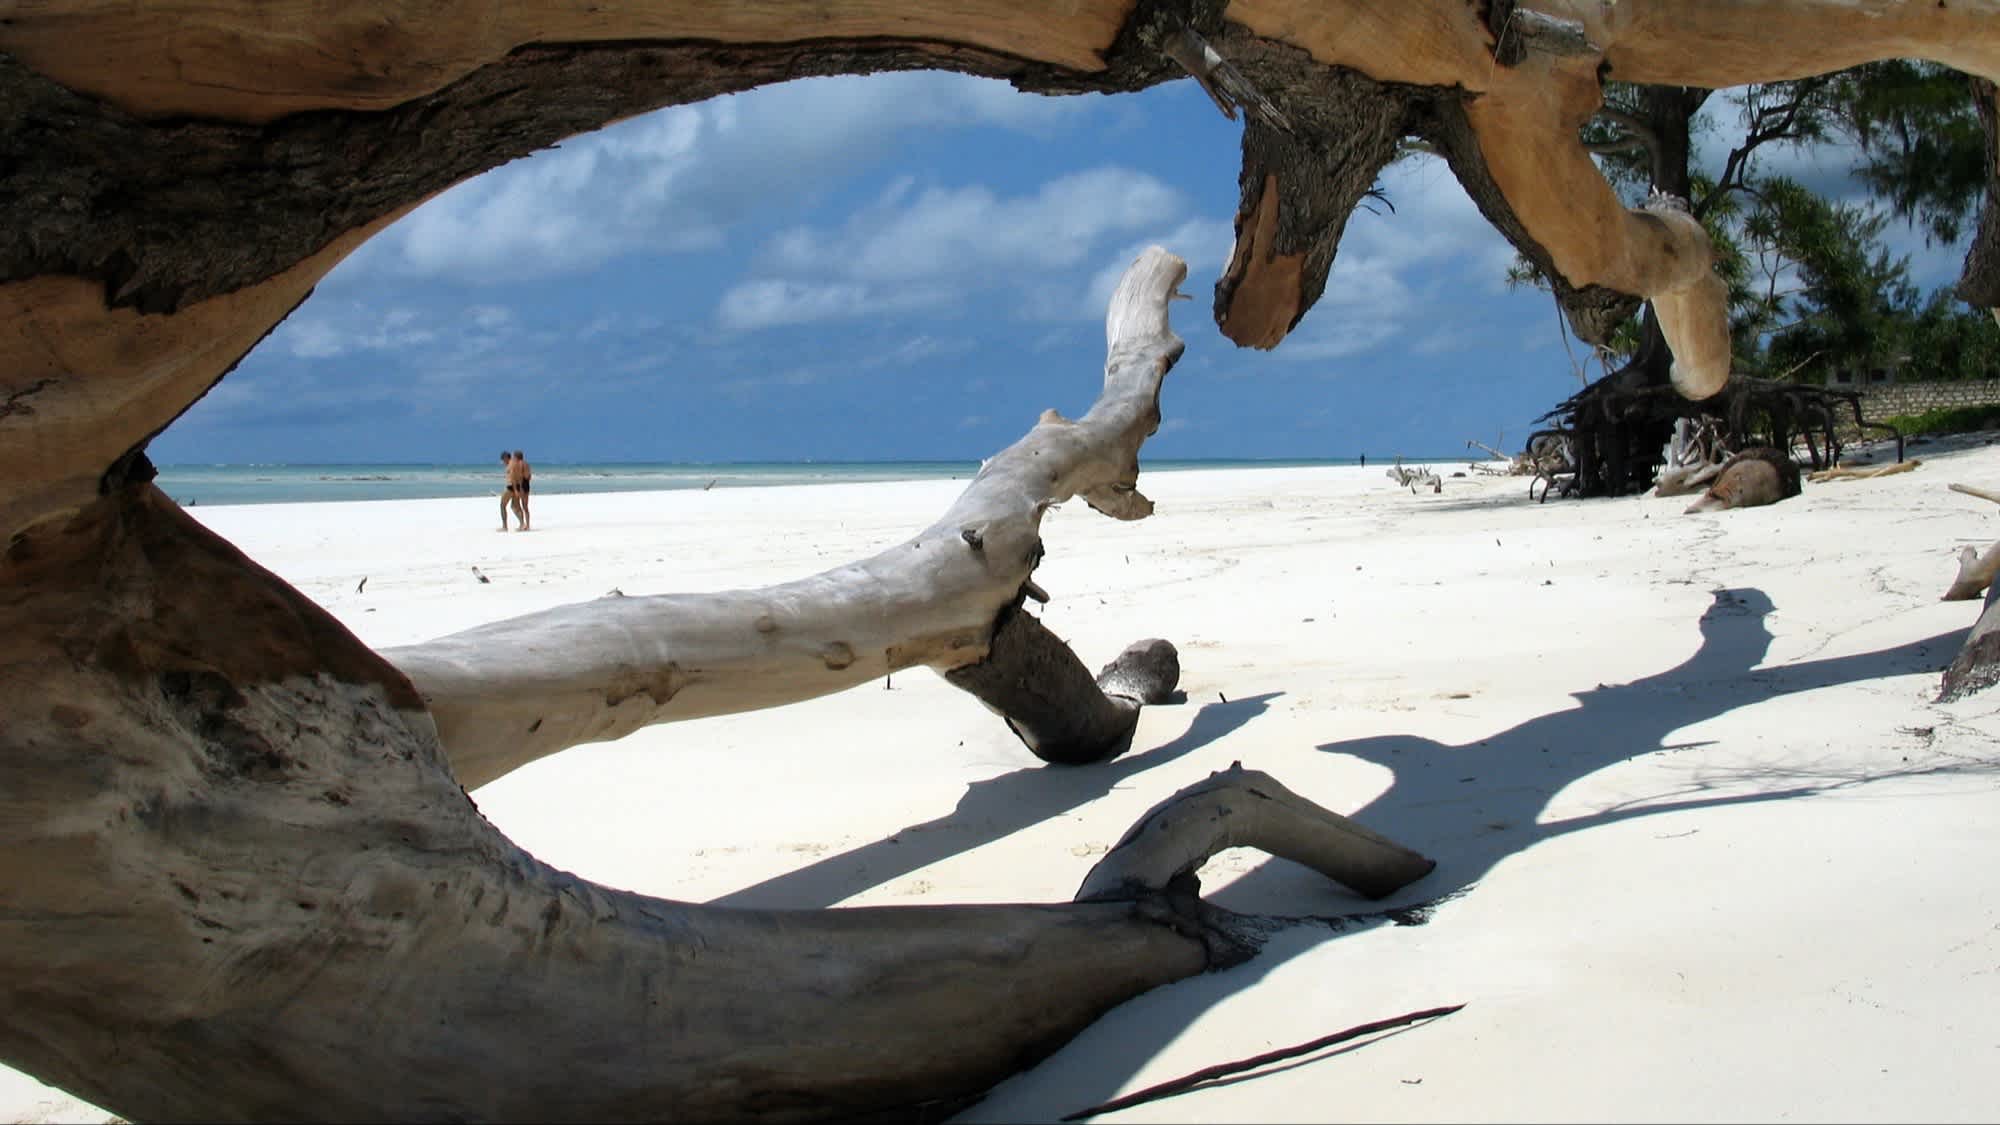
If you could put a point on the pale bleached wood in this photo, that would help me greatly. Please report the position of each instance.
(1976, 569)
(242, 883)
(1975, 490)
(1976, 667)
(601, 669)
(1239, 808)
(1975, 573)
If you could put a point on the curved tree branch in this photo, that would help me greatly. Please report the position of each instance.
(598, 670)
(245, 884)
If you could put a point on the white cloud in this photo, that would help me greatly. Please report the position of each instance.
(926, 247)
(677, 179)
(773, 303)
(911, 234)
(1202, 243)
(323, 331)
(1402, 269)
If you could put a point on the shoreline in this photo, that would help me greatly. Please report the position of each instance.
(234, 485)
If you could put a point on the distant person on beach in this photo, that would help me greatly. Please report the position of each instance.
(521, 475)
(1364, 460)
(509, 499)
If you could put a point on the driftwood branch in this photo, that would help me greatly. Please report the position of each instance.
(1413, 478)
(259, 891)
(1975, 569)
(1974, 490)
(1063, 715)
(598, 670)
(1975, 573)
(1243, 808)
(1977, 665)
(1865, 472)
(253, 884)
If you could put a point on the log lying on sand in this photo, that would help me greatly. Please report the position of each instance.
(259, 893)
(243, 879)
(601, 669)
(1752, 478)
(246, 883)
(1976, 569)
(1977, 664)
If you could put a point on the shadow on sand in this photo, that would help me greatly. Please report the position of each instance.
(990, 810)
(1471, 806)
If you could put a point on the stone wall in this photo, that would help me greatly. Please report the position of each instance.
(1883, 402)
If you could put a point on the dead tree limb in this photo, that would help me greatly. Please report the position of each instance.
(247, 881)
(1975, 569)
(598, 670)
(1977, 665)
(1973, 490)
(1243, 808)
(259, 893)
(1034, 682)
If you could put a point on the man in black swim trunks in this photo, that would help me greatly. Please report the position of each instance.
(509, 499)
(521, 475)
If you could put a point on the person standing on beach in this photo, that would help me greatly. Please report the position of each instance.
(520, 475)
(508, 497)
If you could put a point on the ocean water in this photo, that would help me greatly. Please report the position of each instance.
(300, 484)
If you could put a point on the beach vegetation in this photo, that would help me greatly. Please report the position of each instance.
(1948, 420)
(1814, 295)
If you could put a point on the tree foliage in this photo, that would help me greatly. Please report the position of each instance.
(1813, 286)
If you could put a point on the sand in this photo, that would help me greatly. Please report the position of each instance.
(1708, 849)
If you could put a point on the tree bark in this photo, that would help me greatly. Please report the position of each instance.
(1977, 665)
(238, 876)
(207, 162)
(1052, 704)
(244, 884)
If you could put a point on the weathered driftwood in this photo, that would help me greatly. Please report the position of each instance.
(598, 670)
(1751, 478)
(1977, 664)
(1976, 569)
(1975, 573)
(1415, 478)
(246, 882)
(1864, 472)
(253, 889)
(1693, 457)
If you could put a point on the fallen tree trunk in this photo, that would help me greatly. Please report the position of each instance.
(258, 890)
(246, 885)
(1976, 569)
(601, 669)
(1977, 664)
(239, 876)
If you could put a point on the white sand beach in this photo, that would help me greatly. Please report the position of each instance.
(1707, 847)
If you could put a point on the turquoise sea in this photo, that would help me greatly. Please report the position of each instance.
(297, 484)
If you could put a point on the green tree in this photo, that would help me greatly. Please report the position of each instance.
(1812, 287)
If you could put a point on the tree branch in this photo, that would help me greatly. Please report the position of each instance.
(598, 670)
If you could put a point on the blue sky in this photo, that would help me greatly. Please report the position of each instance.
(898, 267)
